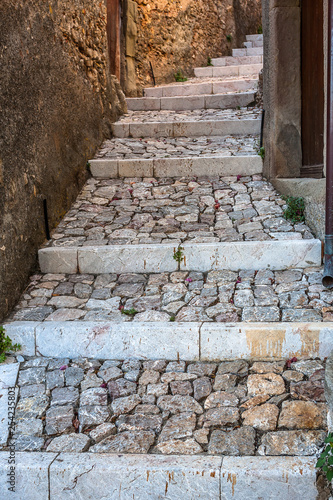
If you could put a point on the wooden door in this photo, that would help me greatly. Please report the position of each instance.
(113, 30)
(312, 47)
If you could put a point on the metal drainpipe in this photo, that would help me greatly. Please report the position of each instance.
(328, 257)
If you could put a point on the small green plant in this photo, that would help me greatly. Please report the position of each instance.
(229, 38)
(209, 61)
(261, 152)
(6, 345)
(295, 208)
(88, 165)
(172, 318)
(325, 461)
(179, 76)
(178, 255)
(260, 30)
(129, 312)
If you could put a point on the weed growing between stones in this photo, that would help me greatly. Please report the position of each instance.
(6, 345)
(261, 152)
(178, 255)
(229, 38)
(179, 76)
(260, 30)
(325, 461)
(209, 61)
(295, 208)
(129, 312)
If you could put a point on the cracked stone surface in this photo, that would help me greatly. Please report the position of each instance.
(174, 210)
(172, 407)
(168, 147)
(222, 296)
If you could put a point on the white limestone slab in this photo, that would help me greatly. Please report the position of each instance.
(183, 103)
(221, 101)
(268, 478)
(235, 85)
(120, 130)
(249, 69)
(23, 333)
(143, 104)
(180, 89)
(223, 165)
(255, 38)
(153, 92)
(136, 168)
(218, 127)
(58, 260)
(109, 340)
(152, 129)
(273, 255)
(251, 51)
(31, 476)
(135, 477)
(243, 60)
(203, 72)
(265, 340)
(127, 258)
(239, 52)
(104, 168)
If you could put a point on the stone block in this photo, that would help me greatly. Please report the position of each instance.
(217, 101)
(274, 478)
(143, 104)
(145, 477)
(120, 130)
(151, 129)
(126, 259)
(135, 168)
(104, 340)
(234, 86)
(104, 168)
(31, 475)
(183, 103)
(58, 260)
(203, 72)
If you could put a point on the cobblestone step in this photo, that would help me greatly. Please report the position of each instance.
(217, 101)
(209, 87)
(219, 71)
(220, 296)
(145, 477)
(236, 61)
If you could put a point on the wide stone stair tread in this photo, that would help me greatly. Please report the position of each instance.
(163, 424)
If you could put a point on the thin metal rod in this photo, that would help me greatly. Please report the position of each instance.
(262, 129)
(152, 72)
(328, 257)
(46, 220)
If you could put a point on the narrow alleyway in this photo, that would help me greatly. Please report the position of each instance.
(176, 312)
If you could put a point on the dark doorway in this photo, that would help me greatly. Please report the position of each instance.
(312, 88)
(113, 29)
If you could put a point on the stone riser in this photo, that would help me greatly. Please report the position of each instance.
(188, 341)
(217, 101)
(186, 128)
(249, 45)
(239, 60)
(173, 167)
(255, 38)
(144, 477)
(245, 52)
(186, 89)
(220, 71)
(158, 258)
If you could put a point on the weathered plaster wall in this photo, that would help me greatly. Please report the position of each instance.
(182, 34)
(57, 102)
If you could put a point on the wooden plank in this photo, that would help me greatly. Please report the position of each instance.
(113, 32)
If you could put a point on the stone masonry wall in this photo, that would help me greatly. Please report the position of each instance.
(182, 34)
(57, 102)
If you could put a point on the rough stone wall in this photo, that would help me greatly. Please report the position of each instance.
(57, 102)
(182, 34)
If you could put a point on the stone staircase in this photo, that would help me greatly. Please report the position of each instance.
(174, 339)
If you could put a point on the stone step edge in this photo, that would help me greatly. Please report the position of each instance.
(199, 88)
(276, 255)
(197, 128)
(141, 477)
(188, 341)
(177, 166)
(247, 70)
(190, 102)
(237, 60)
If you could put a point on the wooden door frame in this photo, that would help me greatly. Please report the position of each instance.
(313, 92)
(113, 34)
